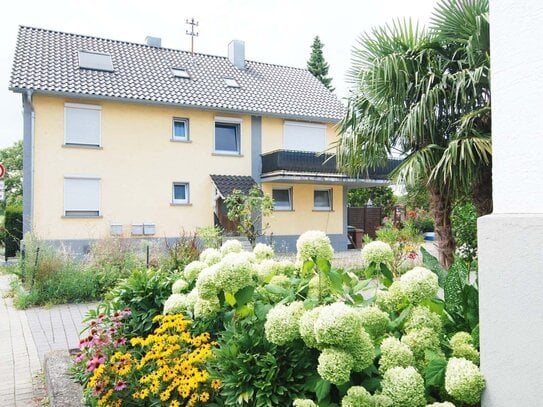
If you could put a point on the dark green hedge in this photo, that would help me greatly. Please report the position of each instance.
(13, 224)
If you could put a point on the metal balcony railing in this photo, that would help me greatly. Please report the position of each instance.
(310, 162)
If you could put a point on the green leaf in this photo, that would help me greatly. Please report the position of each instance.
(433, 265)
(307, 267)
(371, 384)
(435, 305)
(335, 279)
(244, 311)
(244, 295)
(261, 310)
(229, 299)
(275, 289)
(323, 265)
(322, 389)
(435, 372)
(456, 280)
(387, 273)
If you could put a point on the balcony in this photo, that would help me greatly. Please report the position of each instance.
(286, 164)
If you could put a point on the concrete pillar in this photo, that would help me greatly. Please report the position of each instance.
(510, 240)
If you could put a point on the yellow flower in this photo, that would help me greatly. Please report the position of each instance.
(174, 403)
(204, 396)
(216, 384)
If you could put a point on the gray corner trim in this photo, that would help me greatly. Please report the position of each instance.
(28, 161)
(256, 147)
(256, 160)
(344, 205)
(75, 95)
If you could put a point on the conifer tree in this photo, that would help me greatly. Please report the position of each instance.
(317, 65)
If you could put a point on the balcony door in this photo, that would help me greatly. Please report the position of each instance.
(302, 136)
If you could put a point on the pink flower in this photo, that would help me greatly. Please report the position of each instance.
(95, 362)
(412, 256)
(119, 342)
(120, 385)
(79, 357)
(97, 389)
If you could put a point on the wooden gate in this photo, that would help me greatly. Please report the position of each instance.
(367, 219)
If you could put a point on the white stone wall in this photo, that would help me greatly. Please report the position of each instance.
(511, 239)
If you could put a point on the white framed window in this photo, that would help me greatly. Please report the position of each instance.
(82, 125)
(227, 138)
(231, 83)
(303, 136)
(180, 193)
(282, 199)
(180, 73)
(322, 199)
(97, 61)
(180, 129)
(81, 196)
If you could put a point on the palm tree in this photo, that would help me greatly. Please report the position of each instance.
(425, 94)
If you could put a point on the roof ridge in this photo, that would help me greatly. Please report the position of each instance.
(21, 26)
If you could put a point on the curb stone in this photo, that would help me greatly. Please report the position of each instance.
(61, 389)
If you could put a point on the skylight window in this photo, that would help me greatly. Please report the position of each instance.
(95, 60)
(180, 73)
(231, 82)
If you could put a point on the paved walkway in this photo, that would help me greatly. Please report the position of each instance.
(25, 338)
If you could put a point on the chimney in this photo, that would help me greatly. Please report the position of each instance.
(236, 53)
(153, 41)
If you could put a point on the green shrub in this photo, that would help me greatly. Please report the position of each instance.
(181, 251)
(210, 236)
(464, 227)
(144, 292)
(257, 372)
(13, 225)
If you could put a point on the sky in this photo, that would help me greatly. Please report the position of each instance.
(274, 31)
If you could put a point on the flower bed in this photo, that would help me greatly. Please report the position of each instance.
(241, 328)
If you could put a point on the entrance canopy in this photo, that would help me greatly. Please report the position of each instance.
(226, 184)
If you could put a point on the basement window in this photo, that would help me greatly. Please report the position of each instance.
(180, 73)
(97, 61)
(231, 82)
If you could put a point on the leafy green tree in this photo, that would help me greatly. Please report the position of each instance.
(249, 211)
(317, 65)
(12, 158)
(426, 94)
(380, 196)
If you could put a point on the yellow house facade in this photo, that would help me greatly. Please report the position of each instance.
(138, 141)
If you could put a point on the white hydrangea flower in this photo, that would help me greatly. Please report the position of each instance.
(307, 326)
(314, 244)
(240, 256)
(206, 283)
(194, 268)
(263, 251)
(422, 317)
(464, 381)
(285, 267)
(374, 321)
(377, 252)
(335, 365)
(419, 284)
(266, 270)
(405, 386)
(283, 323)
(206, 309)
(444, 404)
(394, 354)
(391, 299)
(460, 338)
(337, 324)
(304, 403)
(234, 273)
(179, 286)
(176, 304)
(210, 256)
(231, 246)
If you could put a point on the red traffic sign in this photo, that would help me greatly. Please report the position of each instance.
(2, 170)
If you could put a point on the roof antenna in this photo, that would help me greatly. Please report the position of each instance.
(192, 33)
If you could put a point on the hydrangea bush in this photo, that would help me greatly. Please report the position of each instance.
(324, 336)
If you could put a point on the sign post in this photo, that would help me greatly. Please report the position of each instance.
(2, 172)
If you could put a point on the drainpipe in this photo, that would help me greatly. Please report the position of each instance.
(28, 160)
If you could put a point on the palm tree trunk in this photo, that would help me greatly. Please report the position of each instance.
(482, 192)
(441, 206)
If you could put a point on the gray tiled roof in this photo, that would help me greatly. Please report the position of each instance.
(226, 184)
(47, 61)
